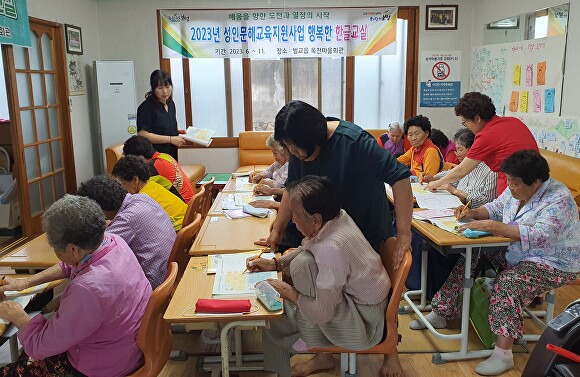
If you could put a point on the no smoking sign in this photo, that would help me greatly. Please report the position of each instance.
(440, 71)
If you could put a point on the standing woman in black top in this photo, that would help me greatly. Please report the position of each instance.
(156, 117)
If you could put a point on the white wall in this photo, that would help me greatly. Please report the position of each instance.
(492, 10)
(82, 13)
(131, 24)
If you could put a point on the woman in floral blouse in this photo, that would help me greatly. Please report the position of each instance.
(541, 217)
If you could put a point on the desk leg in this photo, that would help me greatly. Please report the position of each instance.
(13, 343)
(225, 348)
(423, 292)
(467, 284)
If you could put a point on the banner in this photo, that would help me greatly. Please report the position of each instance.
(279, 33)
(440, 78)
(14, 28)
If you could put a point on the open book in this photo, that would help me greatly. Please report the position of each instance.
(200, 136)
(230, 278)
(440, 199)
(450, 224)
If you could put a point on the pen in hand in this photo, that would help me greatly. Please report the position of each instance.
(463, 210)
(259, 255)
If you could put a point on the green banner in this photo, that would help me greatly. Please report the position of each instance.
(14, 28)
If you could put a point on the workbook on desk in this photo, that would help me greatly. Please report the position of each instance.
(243, 184)
(231, 280)
(450, 224)
(243, 198)
(22, 300)
(440, 199)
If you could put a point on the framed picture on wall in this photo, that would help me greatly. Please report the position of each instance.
(441, 17)
(76, 82)
(74, 39)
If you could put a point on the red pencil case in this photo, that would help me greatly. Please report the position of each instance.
(210, 305)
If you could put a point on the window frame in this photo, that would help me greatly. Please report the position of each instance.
(409, 13)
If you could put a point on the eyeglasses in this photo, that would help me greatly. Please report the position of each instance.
(464, 123)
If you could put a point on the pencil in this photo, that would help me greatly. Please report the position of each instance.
(259, 255)
(421, 175)
(464, 209)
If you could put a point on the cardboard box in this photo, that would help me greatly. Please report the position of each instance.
(9, 216)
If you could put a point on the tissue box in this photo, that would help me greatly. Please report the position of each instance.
(9, 215)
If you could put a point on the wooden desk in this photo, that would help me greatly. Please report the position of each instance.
(449, 243)
(216, 206)
(196, 284)
(219, 235)
(36, 254)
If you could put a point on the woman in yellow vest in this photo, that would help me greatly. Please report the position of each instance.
(134, 175)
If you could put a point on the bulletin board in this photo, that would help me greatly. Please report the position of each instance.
(522, 78)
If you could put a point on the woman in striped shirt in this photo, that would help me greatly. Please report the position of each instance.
(479, 186)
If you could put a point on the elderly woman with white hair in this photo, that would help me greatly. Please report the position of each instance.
(392, 140)
(94, 331)
(273, 179)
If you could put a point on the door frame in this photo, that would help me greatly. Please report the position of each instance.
(32, 226)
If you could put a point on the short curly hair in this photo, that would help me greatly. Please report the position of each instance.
(138, 146)
(418, 121)
(528, 165)
(75, 220)
(465, 137)
(439, 138)
(475, 103)
(105, 190)
(129, 167)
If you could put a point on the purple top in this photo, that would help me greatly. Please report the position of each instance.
(99, 315)
(394, 149)
(146, 228)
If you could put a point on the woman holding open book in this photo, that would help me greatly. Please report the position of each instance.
(539, 214)
(156, 116)
(339, 296)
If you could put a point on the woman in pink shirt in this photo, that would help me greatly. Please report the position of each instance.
(94, 331)
(340, 287)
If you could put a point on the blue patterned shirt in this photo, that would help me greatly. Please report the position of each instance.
(548, 223)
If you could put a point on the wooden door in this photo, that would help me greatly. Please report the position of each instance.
(40, 122)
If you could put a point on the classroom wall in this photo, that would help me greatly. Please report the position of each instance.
(82, 13)
(131, 24)
(492, 10)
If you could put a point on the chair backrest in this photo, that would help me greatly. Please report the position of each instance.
(183, 241)
(112, 155)
(154, 337)
(397, 278)
(207, 197)
(195, 206)
(253, 149)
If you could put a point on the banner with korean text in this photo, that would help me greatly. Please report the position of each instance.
(279, 33)
(14, 27)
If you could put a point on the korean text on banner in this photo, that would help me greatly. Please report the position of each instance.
(14, 28)
(279, 33)
(440, 78)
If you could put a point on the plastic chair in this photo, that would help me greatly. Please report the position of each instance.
(195, 206)
(183, 241)
(154, 337)
(389, 344)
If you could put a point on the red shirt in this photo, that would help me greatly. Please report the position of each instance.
(500, 138)
(169, 168)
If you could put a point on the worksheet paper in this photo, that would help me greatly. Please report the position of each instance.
(243, 198)
(243, 184)
(231, 280)
(438, 201)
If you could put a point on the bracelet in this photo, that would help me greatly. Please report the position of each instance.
(277, 264)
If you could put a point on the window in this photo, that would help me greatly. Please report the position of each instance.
(246, 94)
(4, 114)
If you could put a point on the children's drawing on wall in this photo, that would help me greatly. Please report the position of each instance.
(542, 73)
(76, 84)
(549, 95)
(514, 101)
(537, 101)
(517, 74)
(529, 75)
